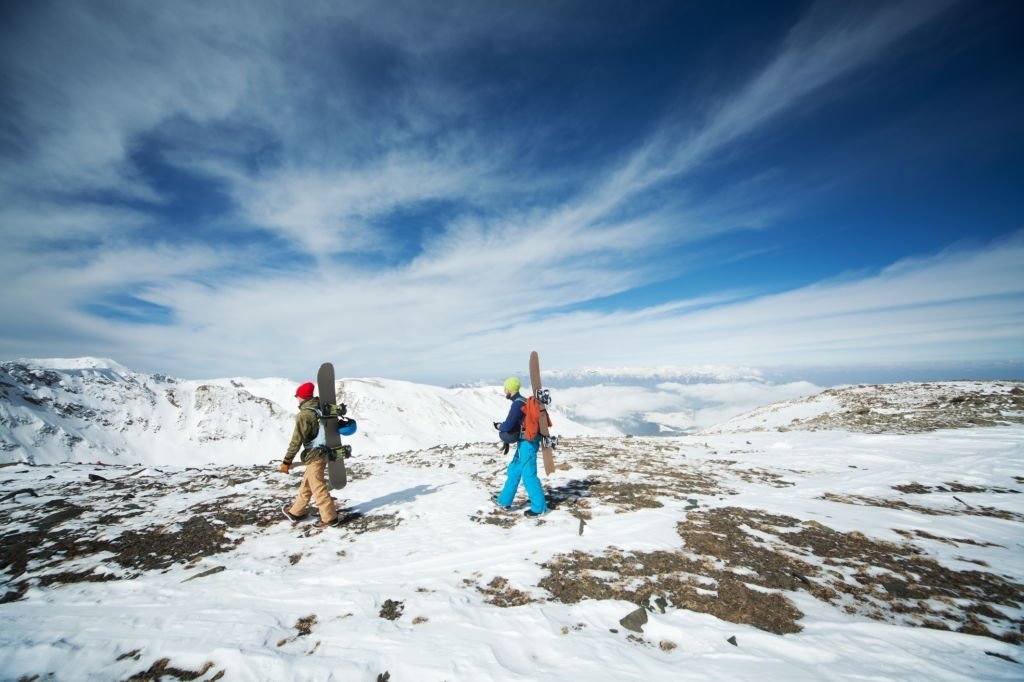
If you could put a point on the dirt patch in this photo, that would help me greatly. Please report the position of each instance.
(771, 478)
(500, 593)
(737, 564)
(962, 507)
(579, 497)
(919, 489)
(162, 669)
(573, 497)
(886, 581)
(632, 476)
(164, 546)
(925, 535)
(260, 513)
(98, 525)
(151, 548)
(496, 517)
(110, 523)
(632, 495)
(304, 626)
(355, 522)
(674, 578)
(626, 496)
(392, 610)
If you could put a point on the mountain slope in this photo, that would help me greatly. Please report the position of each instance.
(87, 409)
(890, 408)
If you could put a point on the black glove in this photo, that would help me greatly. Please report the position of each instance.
(342, 410)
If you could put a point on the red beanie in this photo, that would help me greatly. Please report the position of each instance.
(305, 391)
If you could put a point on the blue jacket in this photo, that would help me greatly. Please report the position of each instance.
(514, 421)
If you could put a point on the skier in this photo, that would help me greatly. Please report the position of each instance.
(523, 466)
(307, 428)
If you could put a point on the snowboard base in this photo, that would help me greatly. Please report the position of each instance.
(545, 422)
(337, 478)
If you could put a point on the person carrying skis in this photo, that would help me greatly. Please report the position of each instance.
(313, 486)
(523, 466)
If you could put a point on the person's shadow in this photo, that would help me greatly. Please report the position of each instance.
(407, 495)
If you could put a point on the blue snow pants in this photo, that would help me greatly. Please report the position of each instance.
(523, 467)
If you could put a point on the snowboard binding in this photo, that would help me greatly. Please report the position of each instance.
(544, 396)
(344, 450)
(332, 410)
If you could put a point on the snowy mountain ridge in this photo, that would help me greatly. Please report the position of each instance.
(92, 409)
(889, 408)
(89, 409)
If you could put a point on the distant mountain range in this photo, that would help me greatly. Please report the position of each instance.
(95, 410)
(712, 374)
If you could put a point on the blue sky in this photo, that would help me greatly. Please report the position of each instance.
(430, 190)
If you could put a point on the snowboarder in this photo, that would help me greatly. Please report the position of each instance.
(307, 428)
(523, 466)
(508, 430)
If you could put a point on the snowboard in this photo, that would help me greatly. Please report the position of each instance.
(545, 422)
(336, 477)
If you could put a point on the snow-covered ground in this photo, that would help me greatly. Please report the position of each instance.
(766, 550)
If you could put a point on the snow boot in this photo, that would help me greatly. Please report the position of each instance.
(292, 517)
(334, 523)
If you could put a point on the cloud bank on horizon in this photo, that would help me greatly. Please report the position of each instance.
(428, 191)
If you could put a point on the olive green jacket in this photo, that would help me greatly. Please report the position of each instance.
(307, 425)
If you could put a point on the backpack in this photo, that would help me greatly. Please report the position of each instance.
(531, 418)
(315, 440)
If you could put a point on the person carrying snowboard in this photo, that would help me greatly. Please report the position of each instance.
(523, 466)
(508, 430)
(313, 486)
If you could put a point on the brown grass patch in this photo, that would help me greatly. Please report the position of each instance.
(736, 564)
(500, 593)
(962, 507)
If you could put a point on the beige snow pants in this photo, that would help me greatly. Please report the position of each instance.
(314, 486)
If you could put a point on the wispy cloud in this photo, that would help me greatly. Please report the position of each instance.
(832, 42)
(336, 211)
(326, 126)
(924, 308)
(87, 79)
(818, 51)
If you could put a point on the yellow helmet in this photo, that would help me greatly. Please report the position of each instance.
(512, 385)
